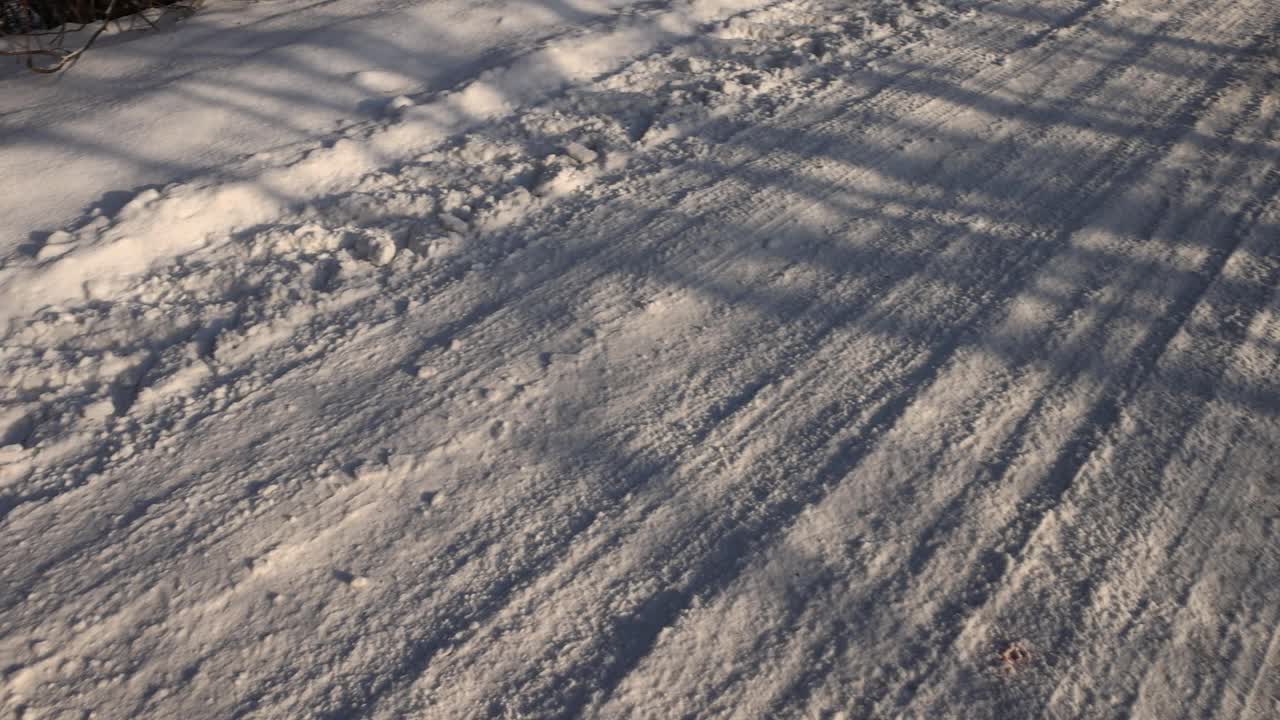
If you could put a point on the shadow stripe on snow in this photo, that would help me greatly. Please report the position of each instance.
(419, 657)
(1076, 454)
(1207, 94)
(664, 607)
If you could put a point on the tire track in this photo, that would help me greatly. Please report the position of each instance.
(1233, 300)
(1097, 424)
(497, 317)
(1228, 339)
(775, 709)
(1214, 267)
(926, 364)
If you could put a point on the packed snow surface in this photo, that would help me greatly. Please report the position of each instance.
(675, 359)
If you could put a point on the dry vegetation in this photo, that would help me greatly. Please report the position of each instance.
(48, 36)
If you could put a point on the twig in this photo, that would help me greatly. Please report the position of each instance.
(65, 59)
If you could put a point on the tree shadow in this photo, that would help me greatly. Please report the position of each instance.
(962, 276)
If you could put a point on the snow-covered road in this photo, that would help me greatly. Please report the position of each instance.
(790, 358)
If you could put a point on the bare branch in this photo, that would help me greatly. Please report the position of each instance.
(63, 59)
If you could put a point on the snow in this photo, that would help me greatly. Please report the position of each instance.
(700, 358)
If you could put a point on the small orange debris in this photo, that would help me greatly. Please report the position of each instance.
(1014, 657)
